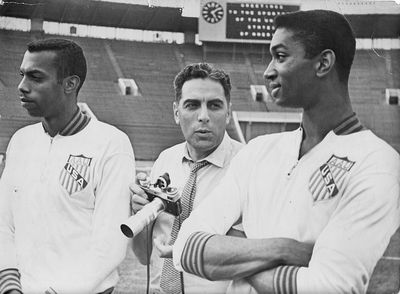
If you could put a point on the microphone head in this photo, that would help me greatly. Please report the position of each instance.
(163, 181)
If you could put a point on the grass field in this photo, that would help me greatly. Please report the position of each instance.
(132, 276)
(385, 280)
(386, 277)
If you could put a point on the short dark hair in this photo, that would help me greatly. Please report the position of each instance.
(202, 71)
(318, 30)
(69, 60)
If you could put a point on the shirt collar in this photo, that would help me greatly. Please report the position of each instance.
(348, 126)
(76, 124)
(216, 158)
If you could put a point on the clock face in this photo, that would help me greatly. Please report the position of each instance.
(212, 12)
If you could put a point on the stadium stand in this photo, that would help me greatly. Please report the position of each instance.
(98, 62)
(395, 60)
(13, 45)
(154, 65)
(369, 77)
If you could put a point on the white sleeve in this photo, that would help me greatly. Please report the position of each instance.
(108, 244)
(215, 214)
(7, 252)
(9, 274)
(356, 236)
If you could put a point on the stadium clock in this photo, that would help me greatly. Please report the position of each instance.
(212, 12)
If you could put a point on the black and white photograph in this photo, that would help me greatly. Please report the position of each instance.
(199, 146)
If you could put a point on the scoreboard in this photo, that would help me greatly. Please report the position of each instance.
(245, 22)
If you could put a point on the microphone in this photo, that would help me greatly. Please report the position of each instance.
(136, 223)
(161, 197)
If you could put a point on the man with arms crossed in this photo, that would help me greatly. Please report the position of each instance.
(331, 183)
(202, 108)
(65, 187)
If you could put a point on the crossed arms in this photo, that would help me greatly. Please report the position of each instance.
(342, 259)
(253, 259)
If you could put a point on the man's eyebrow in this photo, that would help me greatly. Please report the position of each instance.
(216, 99)
(30, 72)
(191, 100)
(277, 46)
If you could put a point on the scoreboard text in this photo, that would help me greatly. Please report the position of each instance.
(252, 20)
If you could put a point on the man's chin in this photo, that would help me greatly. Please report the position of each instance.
(284, 103)
(34, 113)
(205, 146)
(279, 102)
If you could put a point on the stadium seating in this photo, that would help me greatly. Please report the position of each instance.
(13, 45)
(146, 118)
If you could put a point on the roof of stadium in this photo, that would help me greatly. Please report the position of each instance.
(377, 19)
(102, 13)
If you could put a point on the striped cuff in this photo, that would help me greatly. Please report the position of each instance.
(50, 291)
(192, 254)
(285, 279)
(9, 280)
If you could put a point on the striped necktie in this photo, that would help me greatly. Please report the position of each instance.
(170, 278)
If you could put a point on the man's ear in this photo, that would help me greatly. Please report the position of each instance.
(176, 112)
(229, 113)
(71, 84)
(326, 62)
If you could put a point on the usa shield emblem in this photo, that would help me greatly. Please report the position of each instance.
(75, 173)
(328, 179)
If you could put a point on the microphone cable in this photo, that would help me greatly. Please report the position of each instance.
(181, 273)
(148, 257)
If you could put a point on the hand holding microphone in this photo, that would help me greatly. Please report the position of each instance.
(138, 196)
